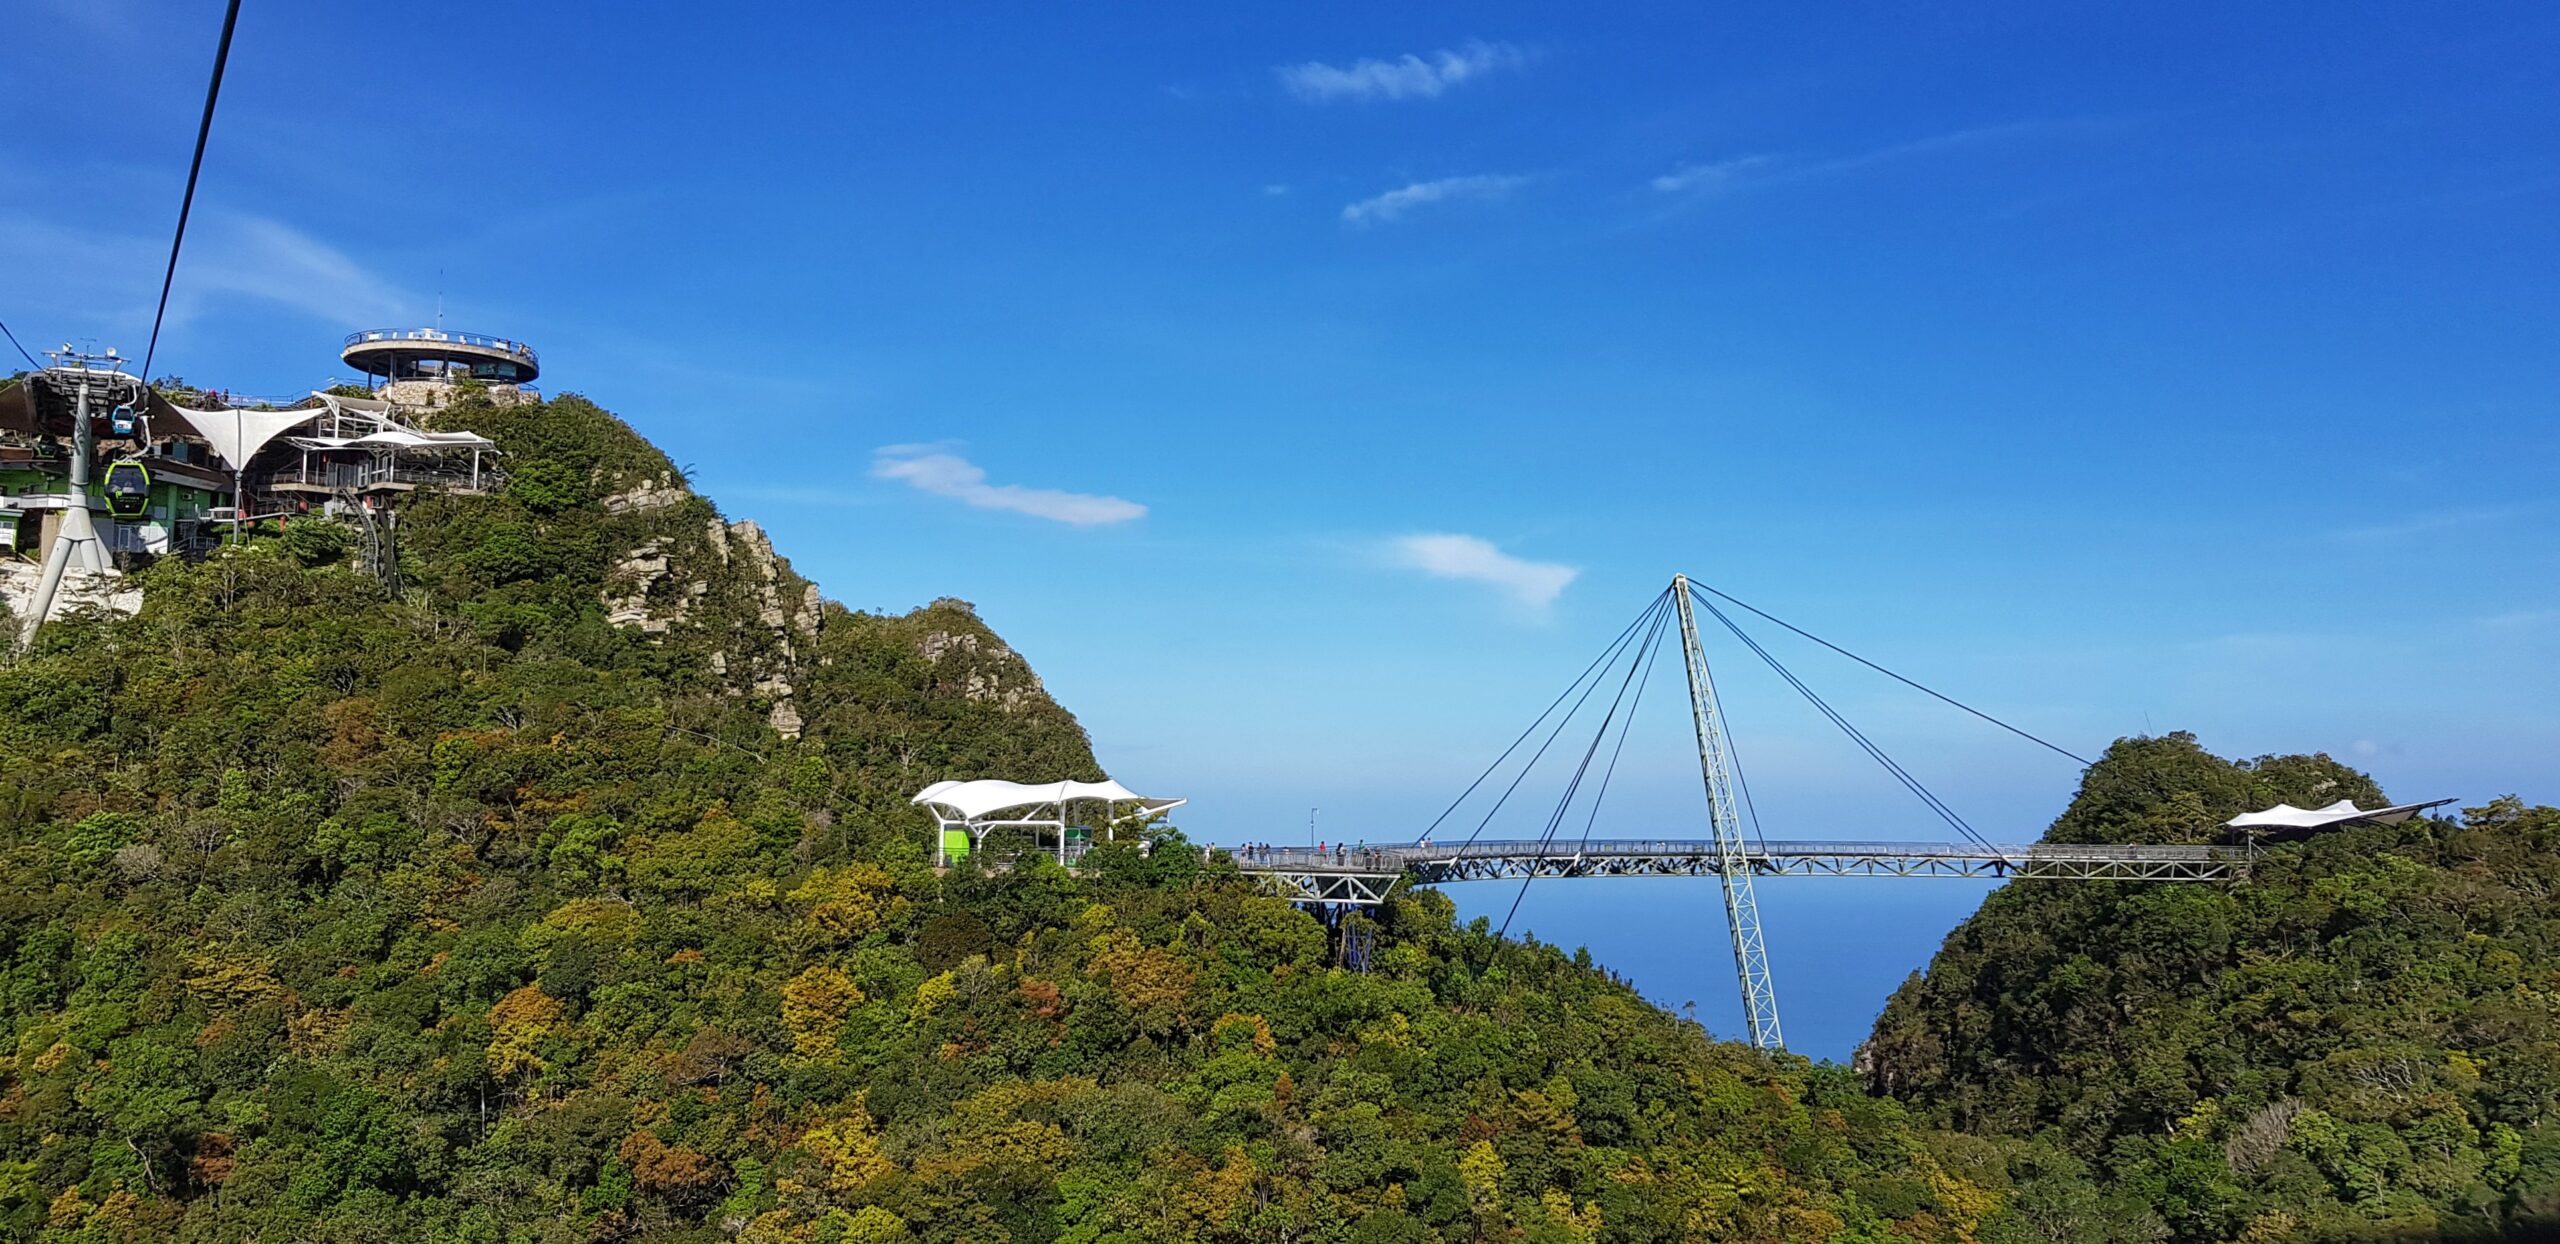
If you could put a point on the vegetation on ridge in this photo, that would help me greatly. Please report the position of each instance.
(477, 915)
(2362, 1043)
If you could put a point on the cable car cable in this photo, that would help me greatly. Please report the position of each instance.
(32, 364)
(195, 168)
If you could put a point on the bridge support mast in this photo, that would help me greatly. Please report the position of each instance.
(1724, 818)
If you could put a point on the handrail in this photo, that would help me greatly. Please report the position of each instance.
(1398, 855)
(443, 336)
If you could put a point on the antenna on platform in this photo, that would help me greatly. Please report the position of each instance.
(1724, 819)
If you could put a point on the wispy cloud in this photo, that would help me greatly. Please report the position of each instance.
(929, 468)
(1689, 178)
(1406, 77)
(1706, 180)
(229, 256)
(1394, 203)
(2426, 523)
(1475, 560)
(257, 257)
(2520, 619)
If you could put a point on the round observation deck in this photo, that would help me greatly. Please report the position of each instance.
(395, 354)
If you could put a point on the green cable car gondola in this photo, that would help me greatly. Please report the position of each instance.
(128, 489)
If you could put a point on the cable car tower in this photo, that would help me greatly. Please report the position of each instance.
(76, 391)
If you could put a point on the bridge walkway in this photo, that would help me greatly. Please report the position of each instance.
(1363, 876)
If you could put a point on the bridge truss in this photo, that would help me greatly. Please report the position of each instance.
(1369, 876)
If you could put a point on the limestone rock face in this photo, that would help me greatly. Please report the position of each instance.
(647, 496)
(750, 628)
(631, 583)
(417, 396)
(714, 581)
(984, 669)
(81, 589)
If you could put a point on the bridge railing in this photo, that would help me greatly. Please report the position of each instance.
(1392, 857)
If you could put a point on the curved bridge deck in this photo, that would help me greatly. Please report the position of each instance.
(1365, 875)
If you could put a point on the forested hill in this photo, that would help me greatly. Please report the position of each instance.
(2363, 1043)
(570, 893)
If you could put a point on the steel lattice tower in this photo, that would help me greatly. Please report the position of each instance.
(1724, 818)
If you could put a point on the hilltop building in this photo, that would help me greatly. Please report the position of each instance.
(429, 367)
(218, 464)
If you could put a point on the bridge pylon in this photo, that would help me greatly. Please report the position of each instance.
(1724, 820)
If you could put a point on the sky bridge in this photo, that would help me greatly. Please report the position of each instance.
(1735, 852)
(1362, 876)
(1337, 878)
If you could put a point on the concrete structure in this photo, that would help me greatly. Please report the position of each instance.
(425, 366)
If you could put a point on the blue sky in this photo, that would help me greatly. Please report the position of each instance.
(1310, 389)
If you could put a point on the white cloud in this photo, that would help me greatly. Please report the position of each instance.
(94, 286)
(1706, 178)
(1406, 77)
(1393, 203)
(256, 257)
(930, 469)
(2427, 523)
(1476, 560)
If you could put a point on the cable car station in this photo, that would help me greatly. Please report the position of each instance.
(100, 472)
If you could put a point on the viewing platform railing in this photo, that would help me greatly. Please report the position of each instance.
(441, 336)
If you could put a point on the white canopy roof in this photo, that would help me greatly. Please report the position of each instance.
(238, 435)
(2287, 816)
(398, 438)
(980, 799)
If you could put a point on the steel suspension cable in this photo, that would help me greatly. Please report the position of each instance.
(1765, 616)
(1643, 680)
(1733, 756)
(1927, 797)
(1564, 805)
(1542, 716)
(195, 168)
(1659, 604)
(1913, 784)
(1533, 726)
(1891, 766)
